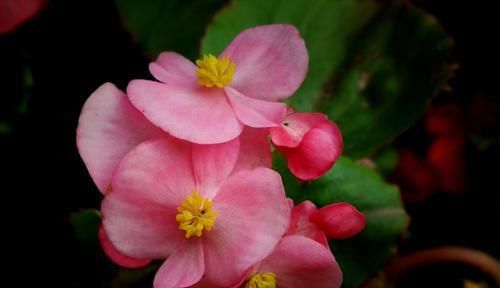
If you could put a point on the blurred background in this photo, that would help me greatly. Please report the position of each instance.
(445, 162)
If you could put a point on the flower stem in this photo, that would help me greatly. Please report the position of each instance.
(475, 258)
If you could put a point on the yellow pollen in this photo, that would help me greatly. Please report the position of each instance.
(195, 215)
(262, 280)
(214, 72)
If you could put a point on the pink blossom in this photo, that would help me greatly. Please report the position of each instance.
(310, 142)
(109, 127)
(334, 221)
(212, 101)
(13, 13)
(180, 201)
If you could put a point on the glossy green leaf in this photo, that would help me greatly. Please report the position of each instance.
(374, 65)
(168, 25)
(362, 256)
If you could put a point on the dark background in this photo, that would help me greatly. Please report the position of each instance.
(72, 47)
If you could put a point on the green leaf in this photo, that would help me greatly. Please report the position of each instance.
(86, 226)
(386, 159)
(362, 256)
(168, 25)
(374, 65)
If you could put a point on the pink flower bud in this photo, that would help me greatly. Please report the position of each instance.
(339, 220)
(310, 142)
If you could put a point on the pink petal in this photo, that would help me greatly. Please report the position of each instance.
(150, 182)
(254, 112)
(183, 268)
(253, 215)
(173, 69)
(13, 13)
(301, 262)
(200, 116)
(339, 220)
(271, 61)
(116, 256)
(212, 165)
(316, 154)
(294, 127)
(300, 224)
(255, 150)
(108, 128)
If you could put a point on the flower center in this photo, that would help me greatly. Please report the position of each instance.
(214, 72)
(262, 280)
(195, 215)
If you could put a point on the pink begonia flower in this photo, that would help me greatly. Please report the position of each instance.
(176, 200)
(310, 142)
(116, 256)
(13, 13)
(212, 101)
(296, 262)
(109, 127)
(334, 221)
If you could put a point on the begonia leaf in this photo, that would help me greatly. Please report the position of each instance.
(374, 65)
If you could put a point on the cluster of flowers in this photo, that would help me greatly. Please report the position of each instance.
(184, 166)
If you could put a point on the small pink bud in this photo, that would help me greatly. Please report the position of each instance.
(339, 220)
(310, 142)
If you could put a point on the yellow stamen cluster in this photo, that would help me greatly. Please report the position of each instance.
(263, 280)
(195, 215)
(214, 72)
